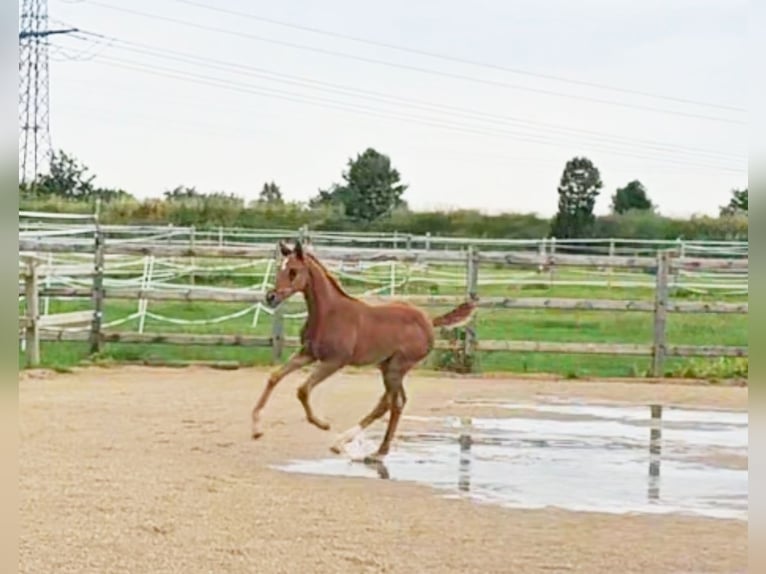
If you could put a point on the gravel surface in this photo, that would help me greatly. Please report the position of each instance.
(151, 470)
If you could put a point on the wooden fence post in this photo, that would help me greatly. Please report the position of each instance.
(192, 259)
(472, 286)
(32, 331)
(681, 250)
(277, 321)
(660, 314)
(277, 335)
(98, 292)
(551, 267)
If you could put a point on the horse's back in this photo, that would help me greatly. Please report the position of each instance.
(394, 328)
(400, 313)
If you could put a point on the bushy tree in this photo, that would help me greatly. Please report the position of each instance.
(371, 188)
(182, 192)
(270, 194)
(631, 197)
(68, 178)
(737, 203)
(579, 187)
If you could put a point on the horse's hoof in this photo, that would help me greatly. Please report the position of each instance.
(337, 449)
(256, 434)
(376, 458)
(321, 425)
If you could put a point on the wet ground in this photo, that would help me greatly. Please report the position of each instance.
(574, 456)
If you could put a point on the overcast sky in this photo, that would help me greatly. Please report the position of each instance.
(185, 95)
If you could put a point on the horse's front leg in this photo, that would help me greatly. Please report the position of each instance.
(297, 361)
(321, 372)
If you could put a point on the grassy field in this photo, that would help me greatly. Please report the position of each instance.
(534, 325)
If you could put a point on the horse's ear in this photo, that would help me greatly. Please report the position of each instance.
(298, 250)
(284, 249)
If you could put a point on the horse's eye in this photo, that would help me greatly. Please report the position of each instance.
(291, 274)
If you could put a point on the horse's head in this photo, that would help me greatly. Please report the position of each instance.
(292, 275)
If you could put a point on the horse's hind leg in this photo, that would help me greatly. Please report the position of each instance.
(320, 373)
(393, 378)
(397, 406)
(384, 404)
(381, 408)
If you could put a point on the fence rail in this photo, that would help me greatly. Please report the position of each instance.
(662, 265)
(488, 346)
(380, 255)
(563, 304)
(31, 224)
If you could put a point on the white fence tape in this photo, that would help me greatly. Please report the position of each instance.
(74, 270)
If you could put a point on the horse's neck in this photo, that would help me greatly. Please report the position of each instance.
(321, 295)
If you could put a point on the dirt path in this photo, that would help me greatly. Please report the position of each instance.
(152, 470)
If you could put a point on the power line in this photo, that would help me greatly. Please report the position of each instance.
(390, 64)
(366, 111)
(455, 59)
(107, 116)
(59, 53)
(387, 98)
(191, 127)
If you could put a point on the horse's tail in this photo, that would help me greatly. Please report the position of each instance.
(458, 317)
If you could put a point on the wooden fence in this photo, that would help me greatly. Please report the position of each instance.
(37, 328)
(40, 224)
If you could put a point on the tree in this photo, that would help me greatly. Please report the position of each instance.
(270, 194)
(181, 192)
(371, 188)
(631, 197)
(578, 190)
(68, 178)
(737, 203)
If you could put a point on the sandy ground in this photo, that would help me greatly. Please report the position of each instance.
(153, 470)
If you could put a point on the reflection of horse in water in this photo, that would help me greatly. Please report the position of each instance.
(342, 330)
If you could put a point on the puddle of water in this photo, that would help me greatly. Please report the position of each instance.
(609, 458)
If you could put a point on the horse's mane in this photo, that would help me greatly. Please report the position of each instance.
(330, 277)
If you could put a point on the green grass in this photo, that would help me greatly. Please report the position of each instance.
(534, 325)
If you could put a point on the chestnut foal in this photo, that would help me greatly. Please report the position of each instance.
(342, 330)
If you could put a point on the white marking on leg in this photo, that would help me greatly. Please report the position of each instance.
(346, 437)
(283, 266)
